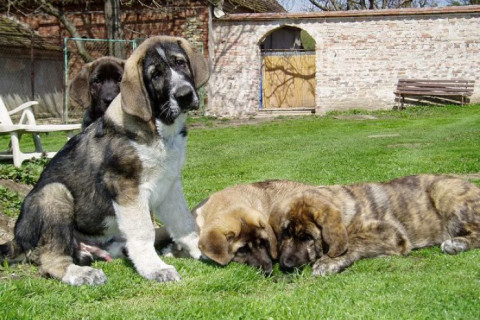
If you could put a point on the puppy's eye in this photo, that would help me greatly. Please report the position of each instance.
(243, 250)
(306, 237)
(119, 78)
(180, 63)
(156, 75)
(97, 80)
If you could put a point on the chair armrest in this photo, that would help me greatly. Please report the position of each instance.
(23, 107)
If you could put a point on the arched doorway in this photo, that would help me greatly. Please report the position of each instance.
(288, 70)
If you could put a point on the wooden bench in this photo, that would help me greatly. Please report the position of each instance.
(434, 91)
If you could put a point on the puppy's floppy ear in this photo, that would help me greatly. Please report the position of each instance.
(272, 239)
(135, 99)
(121, 62)
(198, 63)
(79, 88)
(329, 218)
(277, 216)
(216, 245)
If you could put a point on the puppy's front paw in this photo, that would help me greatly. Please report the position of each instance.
(454, 246)
(190, 245)
(77, 276)
(195, 253)
(326, 266)
(164, 275)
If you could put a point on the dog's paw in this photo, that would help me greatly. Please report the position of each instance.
(190, 245)
(454, 246)
(195, 253)
(78, 275)
(326, 266)
(164, 275)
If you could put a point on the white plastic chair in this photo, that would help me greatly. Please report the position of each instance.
(26, 124)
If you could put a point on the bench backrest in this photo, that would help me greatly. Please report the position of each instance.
(454, 87)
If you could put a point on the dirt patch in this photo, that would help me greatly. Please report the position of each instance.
(7, 223)
(20, 188)
(6, 228)
(355, 117)
(226, 122)
(390, 135)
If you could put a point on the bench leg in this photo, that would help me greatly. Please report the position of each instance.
(37, 142)
(403, 102)
(15, 147)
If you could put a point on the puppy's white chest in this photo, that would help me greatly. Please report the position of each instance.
(162, 162)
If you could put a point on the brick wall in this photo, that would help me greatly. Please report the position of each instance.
(359, 55)
(185, 18)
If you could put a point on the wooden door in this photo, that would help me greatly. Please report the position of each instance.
(288, 80)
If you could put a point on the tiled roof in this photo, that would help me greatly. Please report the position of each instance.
(474, 9)
(15, 34)
(229, 5)
(254, 5)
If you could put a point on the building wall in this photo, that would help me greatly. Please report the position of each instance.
(359, 55)
(185, 18)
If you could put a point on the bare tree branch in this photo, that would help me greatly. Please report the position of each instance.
(319, 5)
(47, 7)
(329, 5)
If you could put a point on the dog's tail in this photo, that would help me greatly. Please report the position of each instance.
(11, 252)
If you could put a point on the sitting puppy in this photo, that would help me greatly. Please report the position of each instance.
(95, 87)
(106, 180)
(233, 223)
(376, 219)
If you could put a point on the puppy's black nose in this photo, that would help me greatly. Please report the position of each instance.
(107, 100)
(285, 268)
(186, 98)
(288, 264)
(267, 270)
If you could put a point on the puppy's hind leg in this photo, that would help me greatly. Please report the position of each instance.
(466, 236)
(367, 239)
(458, 202)
(52, 209)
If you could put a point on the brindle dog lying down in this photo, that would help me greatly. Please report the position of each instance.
(233, 223)
(375, 219)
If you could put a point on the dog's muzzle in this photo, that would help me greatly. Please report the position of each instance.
(186, 97)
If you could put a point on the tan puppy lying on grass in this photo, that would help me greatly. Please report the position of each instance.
(233, 223)
(377, 219)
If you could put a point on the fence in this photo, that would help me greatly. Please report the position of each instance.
(31, 69)
(74, 59)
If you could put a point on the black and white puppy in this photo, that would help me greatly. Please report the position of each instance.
(103, 184)
(95, 87)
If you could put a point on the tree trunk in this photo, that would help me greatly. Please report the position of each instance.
(114, 28)
(47, 7)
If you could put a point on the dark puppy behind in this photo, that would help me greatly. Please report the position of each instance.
(389, 218)
(96, 85)
(102, 186)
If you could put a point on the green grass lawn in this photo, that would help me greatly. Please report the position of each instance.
(319, 150)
